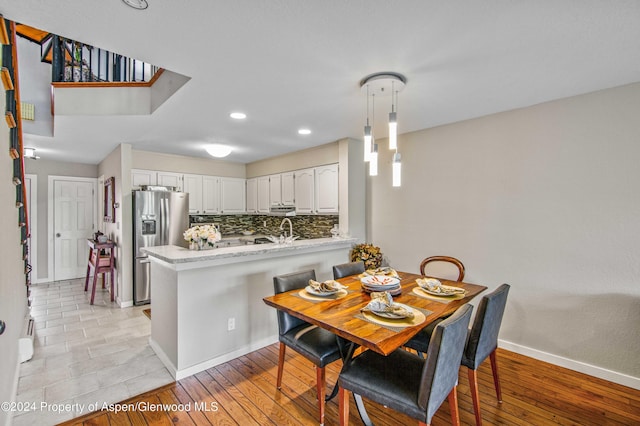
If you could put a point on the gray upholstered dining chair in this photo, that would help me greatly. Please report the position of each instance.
(407, 383)
(346, 269)
(482, 342)
(316, 344)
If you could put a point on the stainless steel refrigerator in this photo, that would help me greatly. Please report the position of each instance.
(160, 216)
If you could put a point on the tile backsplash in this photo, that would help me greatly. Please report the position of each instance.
(307, 226)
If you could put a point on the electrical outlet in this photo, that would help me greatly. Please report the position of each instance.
(231, 324)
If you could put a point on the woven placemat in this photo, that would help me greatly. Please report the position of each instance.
(313, 298)
(418, 291)
(419, 316)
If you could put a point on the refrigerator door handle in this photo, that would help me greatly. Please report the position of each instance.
(145, 261)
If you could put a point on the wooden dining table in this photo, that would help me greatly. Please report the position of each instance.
(343, 317)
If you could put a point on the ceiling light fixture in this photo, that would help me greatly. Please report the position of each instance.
(30, 153)
(383, 84)
(238, 115)
(136, 4)
(304, 132)
(218, 151)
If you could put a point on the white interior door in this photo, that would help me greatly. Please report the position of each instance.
(73, 224)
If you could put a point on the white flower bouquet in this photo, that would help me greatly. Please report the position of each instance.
(202, 235)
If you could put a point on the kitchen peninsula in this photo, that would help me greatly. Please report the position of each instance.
(207, 305)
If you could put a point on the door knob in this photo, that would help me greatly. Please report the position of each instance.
(58, 235)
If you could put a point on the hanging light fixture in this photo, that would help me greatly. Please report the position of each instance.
(373, 162)
(367, 134)
(393, 120)
(383, 84)
(396, 170)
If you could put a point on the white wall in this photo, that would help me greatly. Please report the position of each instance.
(43, 169)
(117, 165)
(181, 164)
(13, 293)
(316, 156)
(544, 198)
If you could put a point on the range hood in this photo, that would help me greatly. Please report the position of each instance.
(282, 210)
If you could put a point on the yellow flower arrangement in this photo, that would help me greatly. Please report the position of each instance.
(368, 253)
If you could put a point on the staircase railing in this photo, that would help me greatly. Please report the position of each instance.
(73, 61)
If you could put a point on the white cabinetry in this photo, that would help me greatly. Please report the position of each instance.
(316, 190)
(288, 190)
(252, 195)
(170, 179)
(210, 194)
(263, 194)
(304, 189)
(143, 177)
(275, 191)
(232, 195)
(193, 186)
(326, 189)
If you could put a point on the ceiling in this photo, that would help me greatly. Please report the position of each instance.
(298, 63)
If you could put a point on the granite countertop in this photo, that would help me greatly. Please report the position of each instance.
(176, 255)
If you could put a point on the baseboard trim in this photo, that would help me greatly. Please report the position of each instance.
(127, 304)
(189, 371)
(581, 367)
(14, 392)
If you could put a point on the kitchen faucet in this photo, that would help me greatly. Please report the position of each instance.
(286, 219)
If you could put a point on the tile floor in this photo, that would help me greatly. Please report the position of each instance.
(84, 354)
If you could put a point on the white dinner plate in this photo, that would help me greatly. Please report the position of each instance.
(380, 282)
(392, 315)
(310, 290)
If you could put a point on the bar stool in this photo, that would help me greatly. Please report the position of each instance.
(101, 264)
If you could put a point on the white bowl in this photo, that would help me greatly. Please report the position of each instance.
(248, 232)
(379, 281)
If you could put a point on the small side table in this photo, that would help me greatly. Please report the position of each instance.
(101, 264)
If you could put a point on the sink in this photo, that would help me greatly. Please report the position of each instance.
(282, 239)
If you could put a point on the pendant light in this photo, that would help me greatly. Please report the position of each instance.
(393, 120)
(396, 170)
(367, 134)
(373, 162)
(383, 84)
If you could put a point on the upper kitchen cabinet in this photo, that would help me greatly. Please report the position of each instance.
(304, 190)
(143, 177)
(170, 179)
(326, 189)
(252, 195)
(275, 190)
(288, 188)
(263, 194)
(193, 186)
(211, 194)
(232, 195)
(316, 190)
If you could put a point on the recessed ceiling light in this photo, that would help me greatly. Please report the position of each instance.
(218, 151)
(238, 115)
(137, 4)
(304, 132)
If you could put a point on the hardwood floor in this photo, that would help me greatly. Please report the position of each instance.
(243, 392)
